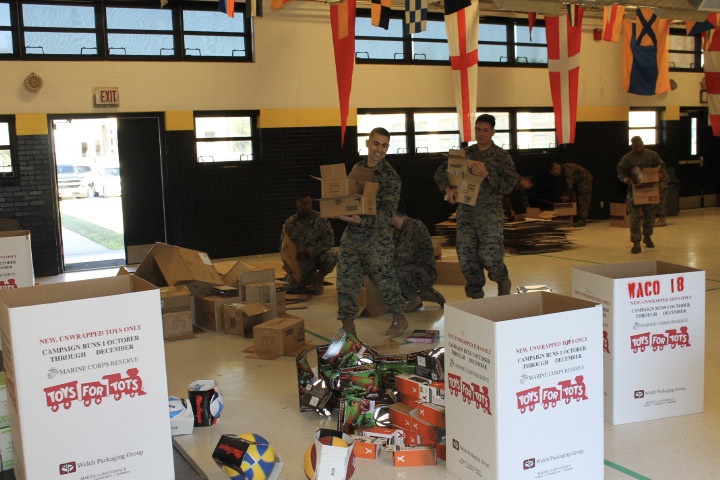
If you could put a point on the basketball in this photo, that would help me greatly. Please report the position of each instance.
(311, 456)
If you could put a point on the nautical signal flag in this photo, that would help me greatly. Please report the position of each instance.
(712, 78)
(612, 22)
(380, 13)
(646, 69)
(462, 18)
(532, 17)
(342, 23)
(227, 6)
(696, 28)
(563, 43)
(416, 14)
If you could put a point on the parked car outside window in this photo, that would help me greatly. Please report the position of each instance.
(107, 182)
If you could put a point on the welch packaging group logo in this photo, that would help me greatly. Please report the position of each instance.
(67, 467)
(528, 464)
(639, 394)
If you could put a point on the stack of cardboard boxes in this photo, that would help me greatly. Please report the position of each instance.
(344, 194)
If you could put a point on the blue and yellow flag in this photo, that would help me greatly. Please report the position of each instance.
(646, 69)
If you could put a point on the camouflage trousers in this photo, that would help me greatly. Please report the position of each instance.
(480, 247)
(370, 255)
(584, 196)
(413, 278)
(638, 214)
(661, 208)
(325, 263)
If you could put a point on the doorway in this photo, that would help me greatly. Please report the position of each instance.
(89, 192)
(110, 187)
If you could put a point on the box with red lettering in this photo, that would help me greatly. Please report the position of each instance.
(653, 334)
(86, 359)
(519, 364)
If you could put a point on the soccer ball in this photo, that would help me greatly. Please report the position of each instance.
(177, 406)
(311, 456)
(216, 404)
(258, 461)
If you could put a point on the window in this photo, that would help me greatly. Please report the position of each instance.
(110, 30)
(223, 139)
(501, 42)
(8, 163)
(684, 51)
(415, 133)
(644, 123)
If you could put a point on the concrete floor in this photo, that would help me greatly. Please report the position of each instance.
(261, 397)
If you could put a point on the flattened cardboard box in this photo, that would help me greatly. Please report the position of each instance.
(653, 334)
(461, 178)
(288, 254)
(16, 267)
(87, 359)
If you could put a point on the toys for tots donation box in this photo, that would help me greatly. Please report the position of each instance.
(86, 380)
(654, 337)
(523, 388)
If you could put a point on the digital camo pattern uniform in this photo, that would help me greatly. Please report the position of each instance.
(414, 257)
(645, 213)
(316, 234)
(515, 201)
(480, 227)
(580, 181)
(664, 187)
(368, 249)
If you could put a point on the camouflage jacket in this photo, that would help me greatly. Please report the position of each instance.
(574, 175)
(413, 245)
(387, 198)
(647, 158)
(311, 232)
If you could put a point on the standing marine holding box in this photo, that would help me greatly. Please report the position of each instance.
(479, 241)
(629, 171)
(367, 245)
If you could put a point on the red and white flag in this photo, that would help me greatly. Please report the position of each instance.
(712, 78)
(612, 22)
(563, 44)
(462, 19)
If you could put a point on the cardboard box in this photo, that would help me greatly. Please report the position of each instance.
(4, 410)
(461, 178)
(209, 311)
(335, 182)
(265, 275)
(181, 265)
(449, 272)
(619, 216)
(279, 336)
(174, 298)
(431, 413)
(369, 299)
(565, 209)
(232, 275)
(87, 359)
(651, 175)
(524, 363)
(406, 456)
(288, 255)
(259, 292)
(654, 334)
(177, 325)
(368, 447)
(16, 267)
(240, 318)
(280, 299)
(358, 204)
(646, 194)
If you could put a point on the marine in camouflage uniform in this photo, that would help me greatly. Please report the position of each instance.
(314, 238)
(579, 181)
(639, 158)
(662, 206)
(480, 227)
(414, 261)
(367, 245)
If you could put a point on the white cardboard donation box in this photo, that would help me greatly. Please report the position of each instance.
(523, 388)
(654, 337)
(16, 267)
(86, 380)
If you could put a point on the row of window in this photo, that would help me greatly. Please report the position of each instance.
(415, 133)
(111, 29)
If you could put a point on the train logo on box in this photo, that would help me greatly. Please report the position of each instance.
(471, 392)
(658, 341)
(114, 385)
(551, 396)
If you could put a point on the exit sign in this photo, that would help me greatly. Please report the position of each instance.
(107, 96)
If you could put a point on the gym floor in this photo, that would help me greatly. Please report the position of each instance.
(261, 395)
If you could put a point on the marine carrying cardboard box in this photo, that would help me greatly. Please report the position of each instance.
(16, 267)
(520, 364)
(87, 359)
(344, 194)
(654, 337)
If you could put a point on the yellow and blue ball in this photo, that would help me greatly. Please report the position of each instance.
(258, 461)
